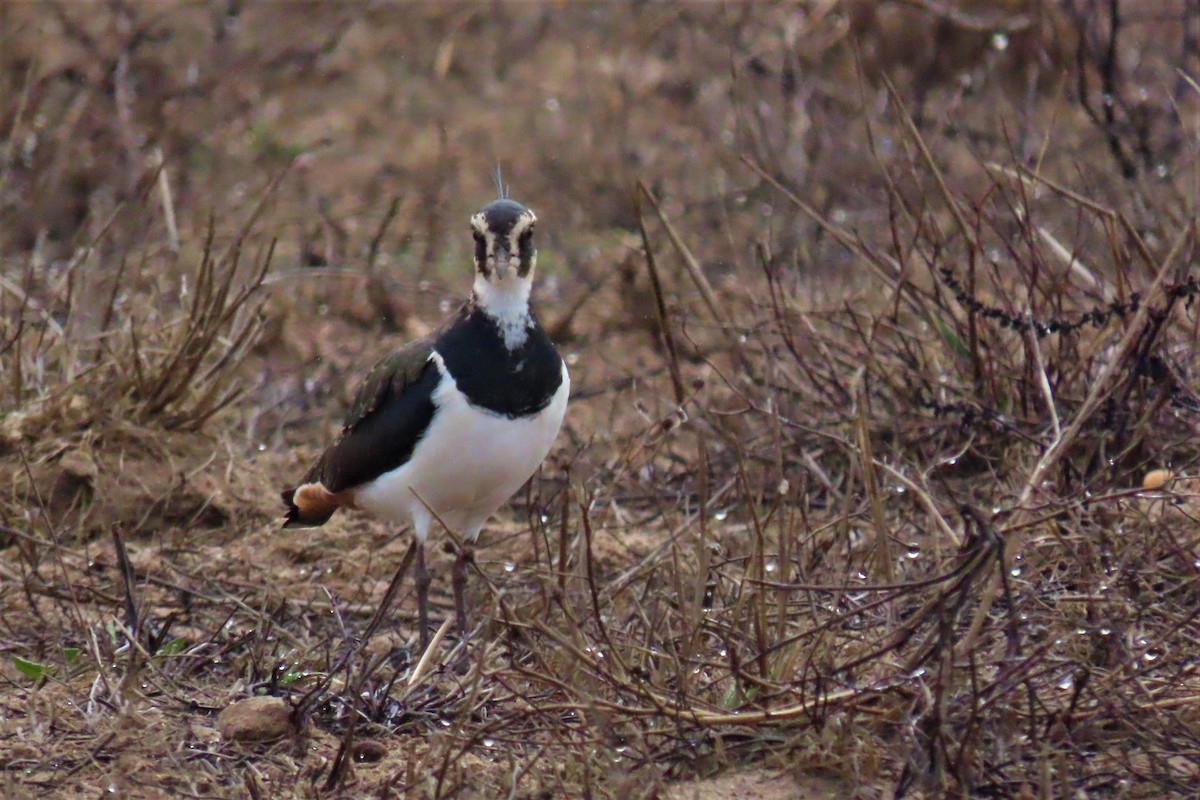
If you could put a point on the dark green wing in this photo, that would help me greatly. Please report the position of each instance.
(388, 378)
(389, 415)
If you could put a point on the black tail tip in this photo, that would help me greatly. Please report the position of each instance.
(291, 517)
(295, 517)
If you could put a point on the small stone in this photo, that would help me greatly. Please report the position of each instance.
(78, 465)
(1156, 479)
(15, 426)
(77, 411)
(255, 719)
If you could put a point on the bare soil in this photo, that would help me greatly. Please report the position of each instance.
(850, 505)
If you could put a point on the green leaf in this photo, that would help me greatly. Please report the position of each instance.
(173, 647)
(30, 669)
(950, 336)
(291, 676)
(71, 654)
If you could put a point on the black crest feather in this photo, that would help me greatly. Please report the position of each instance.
(501, 189)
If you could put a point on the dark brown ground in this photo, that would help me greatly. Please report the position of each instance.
(910, 577)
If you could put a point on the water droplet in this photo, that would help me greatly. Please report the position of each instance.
(489, 742)
(445, 723)
(771, 565)
(1015, 572)
(1161, 171)
(261, 447)
(914, 551)
(721, 514)
(552, 105)
(1066, 683)
(509, 566)
(1106, 631)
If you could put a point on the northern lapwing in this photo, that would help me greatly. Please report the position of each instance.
(452, 424)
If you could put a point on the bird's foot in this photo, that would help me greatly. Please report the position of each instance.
(422, 579)
(466, 555)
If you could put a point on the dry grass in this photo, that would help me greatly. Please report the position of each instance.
(872, 352)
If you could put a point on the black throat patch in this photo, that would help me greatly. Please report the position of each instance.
(514, 383)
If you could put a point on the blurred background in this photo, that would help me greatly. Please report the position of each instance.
(925, 295)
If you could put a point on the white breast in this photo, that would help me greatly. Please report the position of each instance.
(468, 463)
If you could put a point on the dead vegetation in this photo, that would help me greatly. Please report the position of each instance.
(879, 470)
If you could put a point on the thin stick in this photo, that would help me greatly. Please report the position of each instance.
(885, 569)
(1060, 445)
(168, 202)
(689, 261)
(132, 618)
(660, 305)
(426, 661)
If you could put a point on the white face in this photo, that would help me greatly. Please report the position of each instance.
(503, 232)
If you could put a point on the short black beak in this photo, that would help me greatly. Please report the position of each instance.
(500, 263)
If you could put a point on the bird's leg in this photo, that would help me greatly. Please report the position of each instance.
(422, 579)
(458, 580)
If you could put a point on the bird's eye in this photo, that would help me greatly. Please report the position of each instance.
(478, 236)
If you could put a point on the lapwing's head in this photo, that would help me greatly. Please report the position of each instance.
(504, 251)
